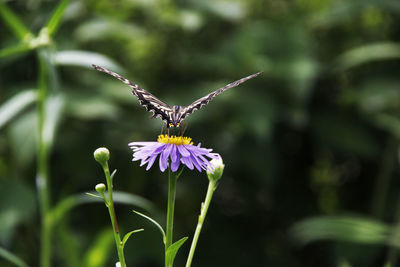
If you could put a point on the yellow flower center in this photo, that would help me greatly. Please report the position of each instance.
(175, 140)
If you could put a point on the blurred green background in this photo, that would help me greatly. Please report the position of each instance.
(310, 146)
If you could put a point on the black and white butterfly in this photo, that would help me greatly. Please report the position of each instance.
(171, 115)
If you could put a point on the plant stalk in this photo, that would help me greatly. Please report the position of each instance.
(204, 208)
(111, 211)
(42, 174)
(172, 178)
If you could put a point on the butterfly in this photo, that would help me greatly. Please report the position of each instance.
(171, 115)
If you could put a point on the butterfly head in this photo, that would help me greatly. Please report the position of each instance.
(175, 116)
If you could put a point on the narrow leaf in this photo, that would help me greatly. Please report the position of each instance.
(126, 237)
(172, 250)
(12, 258)
(341, 228)
(85, 59)
(368, 53)
(112, 175)
(93, 195)
(14, 22)
(54, 107)
(152, 221)
(55, 19)
(100, 250)
(14, 50)
(15, 105)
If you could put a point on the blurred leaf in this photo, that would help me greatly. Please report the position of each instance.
(341, 228)
(15, 105)
(91, 107)
(14, 23)
(56, 17)
(126, 237)
(96, 30)
(231, 10)
(388, 123)
(367, 53)
(153, 222)
(54, 107)
(64, 206)
(23, 134)
(15, 50)
(85, 59)
(101, 249)
(12, 258)
(172, 250)
(17, 204)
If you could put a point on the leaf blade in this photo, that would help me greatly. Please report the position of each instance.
(173, 250)
(54, 21)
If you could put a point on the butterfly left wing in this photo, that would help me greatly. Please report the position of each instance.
(196, 105)
(149, 101)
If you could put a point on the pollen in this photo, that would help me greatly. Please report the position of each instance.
(175, 140)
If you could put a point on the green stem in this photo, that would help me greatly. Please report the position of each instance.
(172, 178)
(42, 175)
(204, 207)
(111, 211)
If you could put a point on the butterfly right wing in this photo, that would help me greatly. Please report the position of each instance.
(149, 101)
(196, 105)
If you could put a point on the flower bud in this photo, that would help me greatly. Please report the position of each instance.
(100, 188)
(218, 166)
(102, 155)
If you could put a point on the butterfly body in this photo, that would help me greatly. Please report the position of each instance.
(171, 115)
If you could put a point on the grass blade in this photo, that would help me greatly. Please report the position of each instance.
(12, 258)
(14, 50)
(15, 105)
(14, 22)
(54, 21)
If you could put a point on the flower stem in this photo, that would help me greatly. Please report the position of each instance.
(42, 175)
(212, 185)
(172, 178)
(111, 211)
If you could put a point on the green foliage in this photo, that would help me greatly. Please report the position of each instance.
(317, 134)
(170, 254)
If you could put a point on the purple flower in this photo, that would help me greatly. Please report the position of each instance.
(173, 150)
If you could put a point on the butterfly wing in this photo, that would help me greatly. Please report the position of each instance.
(196, 105)
(149, 101)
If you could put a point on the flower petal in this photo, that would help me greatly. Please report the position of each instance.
(163, 162)
(183, 151)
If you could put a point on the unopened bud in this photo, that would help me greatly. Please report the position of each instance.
(102, 155)
(100, 188)
(218, 169)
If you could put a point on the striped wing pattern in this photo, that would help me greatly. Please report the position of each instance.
(170, 115)
(196, 105)
(149, 101)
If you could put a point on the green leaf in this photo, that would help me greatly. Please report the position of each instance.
(100, 251)
(54, 107)
(14, 23)
(12, 258)
(367, 53)
(64, 206)
(14, 50)
(172, 250)
(112, 175)
(15, 105)
(126, 237)
(17, 205)
(93, 195)
(55, 19)
(154, 222)
(85, 59)
(341, 228)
